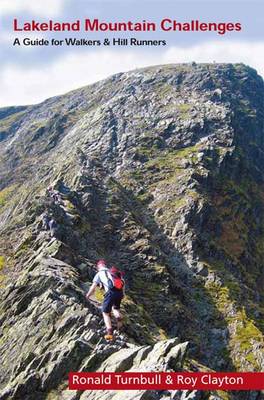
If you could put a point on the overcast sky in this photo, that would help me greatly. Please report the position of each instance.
(31, 74)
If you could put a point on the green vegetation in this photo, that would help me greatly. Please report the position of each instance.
(220, 294)
(234, 202)
(171, 159)
(6, 123)
(245, 332)
(52, 249)
(170, 208)
(5, 195)
(246, 335)
(145, 151)
(24, 247)
(149, 291)
(223, 395)
(138, 321)
(184, 110)
(2, 262)
(68, 205)
(153, 157)
(164, 89)
(238, 205)
(54, 395)
(144, 197)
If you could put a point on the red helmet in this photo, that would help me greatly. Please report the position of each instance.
(101, 262)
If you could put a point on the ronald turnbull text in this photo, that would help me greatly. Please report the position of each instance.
(155, 380)
(95, 25)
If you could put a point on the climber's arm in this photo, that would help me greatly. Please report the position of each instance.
(91, 290)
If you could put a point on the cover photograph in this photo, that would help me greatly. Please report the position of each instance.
(131, 200)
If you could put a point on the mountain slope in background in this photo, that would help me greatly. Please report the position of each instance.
(160, 171)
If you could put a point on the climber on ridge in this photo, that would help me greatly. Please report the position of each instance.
(113, 284)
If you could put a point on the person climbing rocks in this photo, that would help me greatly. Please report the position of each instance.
(45, 221)
(113, 284)
(53, 226)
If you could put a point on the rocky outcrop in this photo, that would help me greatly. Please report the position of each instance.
(57, 331)
(160, 171)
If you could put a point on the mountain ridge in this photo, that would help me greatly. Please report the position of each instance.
(160, 171)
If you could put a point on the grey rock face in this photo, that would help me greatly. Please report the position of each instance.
(160, 171)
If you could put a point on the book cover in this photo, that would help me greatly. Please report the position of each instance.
(131, 200)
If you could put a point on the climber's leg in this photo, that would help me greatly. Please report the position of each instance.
(119, 317)
(108, 325)
(116, 309)
(106, 309)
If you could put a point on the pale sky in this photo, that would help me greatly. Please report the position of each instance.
(31, 74)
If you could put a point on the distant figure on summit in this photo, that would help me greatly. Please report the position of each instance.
(113, 283)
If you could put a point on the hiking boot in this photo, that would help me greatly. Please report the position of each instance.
(109, 337)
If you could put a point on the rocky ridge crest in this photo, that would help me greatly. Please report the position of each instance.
(160, 171)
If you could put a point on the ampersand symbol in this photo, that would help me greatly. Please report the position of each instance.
(169, 380)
